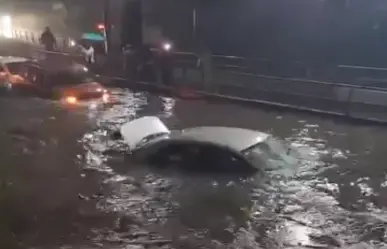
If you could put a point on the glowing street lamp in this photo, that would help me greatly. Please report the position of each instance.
(101, 26)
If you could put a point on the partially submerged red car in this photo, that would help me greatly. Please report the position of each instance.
(72, 83)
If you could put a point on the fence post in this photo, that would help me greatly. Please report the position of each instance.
(33, 38)
(206, 61)
(64, 44)
(349, 101)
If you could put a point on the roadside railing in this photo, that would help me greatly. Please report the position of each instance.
(351, 74)
(340, 99)
(63, 43)
(231, 78)
(356, 102)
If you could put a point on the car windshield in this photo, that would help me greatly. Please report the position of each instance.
(65, 78)
(15, 67)
(274, 154)
(199, 157)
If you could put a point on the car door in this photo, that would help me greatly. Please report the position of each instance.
(198, 156)
(4, 80)
(3, 74)
(34, 75)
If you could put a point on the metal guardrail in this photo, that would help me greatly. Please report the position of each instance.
(361, 102)
(233, 63)
(353, 74)
(235, 81)
(63, 43)
(343, 100)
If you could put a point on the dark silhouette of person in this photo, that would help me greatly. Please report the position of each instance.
(165, 64)
(146, 70)
(48, 39)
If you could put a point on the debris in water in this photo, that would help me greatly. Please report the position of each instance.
(82, 197)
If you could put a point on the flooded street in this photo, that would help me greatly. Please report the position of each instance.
(66, 184)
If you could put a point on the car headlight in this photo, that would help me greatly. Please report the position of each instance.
(71, 100)
(105, 97)
(8, 85)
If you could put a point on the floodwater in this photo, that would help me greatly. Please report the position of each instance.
(66, 184)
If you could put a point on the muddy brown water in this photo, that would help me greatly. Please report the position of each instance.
(65, 183)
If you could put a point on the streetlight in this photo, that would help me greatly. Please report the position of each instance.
(101, 27)
(167, 46)
(194, 21)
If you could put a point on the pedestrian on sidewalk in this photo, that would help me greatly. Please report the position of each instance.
(166, 64)
(89, 54)
(48, 39)
(130, 61)
(146, 67)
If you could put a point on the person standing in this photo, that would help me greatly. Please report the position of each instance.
(48, 39)
(166, 64)
(89, 54)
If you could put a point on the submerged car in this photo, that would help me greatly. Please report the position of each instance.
(216, 149)
(72, 84)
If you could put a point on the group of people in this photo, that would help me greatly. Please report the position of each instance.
(48, 40)
(140, 63)
(143, 63)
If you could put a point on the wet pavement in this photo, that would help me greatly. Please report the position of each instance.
(66, 184)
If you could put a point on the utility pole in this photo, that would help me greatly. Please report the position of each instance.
(106, 24)
(194, 22)
(203, 50)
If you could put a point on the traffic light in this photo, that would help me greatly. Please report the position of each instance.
(101, 27)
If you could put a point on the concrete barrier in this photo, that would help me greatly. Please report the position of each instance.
(188, 74)
(296, 87)
(357, 103)
(339, 99)
(370, 104)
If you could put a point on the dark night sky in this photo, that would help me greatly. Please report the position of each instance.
(297, 29)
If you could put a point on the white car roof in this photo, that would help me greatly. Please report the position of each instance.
(235, 138)
(12, 59)
(135, 131)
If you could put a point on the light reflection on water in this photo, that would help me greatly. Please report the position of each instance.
(334, 200)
